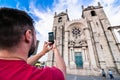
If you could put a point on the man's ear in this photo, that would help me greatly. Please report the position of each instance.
(28, 36)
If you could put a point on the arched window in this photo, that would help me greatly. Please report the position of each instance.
(60, 19)
(93, 13)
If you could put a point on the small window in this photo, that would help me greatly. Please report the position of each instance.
(119, 32)
(60, 19)
(93, 13)
(101, 47)
(96, 23)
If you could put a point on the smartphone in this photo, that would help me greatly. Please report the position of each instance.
(51, 37)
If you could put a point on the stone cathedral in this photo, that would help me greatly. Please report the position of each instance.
(89, 44)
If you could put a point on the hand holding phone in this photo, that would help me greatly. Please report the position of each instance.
(51, 37)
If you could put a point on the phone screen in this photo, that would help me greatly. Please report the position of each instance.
(51, 37)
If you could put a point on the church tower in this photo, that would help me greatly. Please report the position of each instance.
(105, 49)
(59, 28)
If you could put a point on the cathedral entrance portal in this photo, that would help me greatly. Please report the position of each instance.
(78, 60)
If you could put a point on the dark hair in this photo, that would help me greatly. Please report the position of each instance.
(13, 24)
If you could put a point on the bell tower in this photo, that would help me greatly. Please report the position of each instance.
(103, 42)
(59, 28)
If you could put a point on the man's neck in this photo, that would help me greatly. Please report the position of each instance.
(7, 55)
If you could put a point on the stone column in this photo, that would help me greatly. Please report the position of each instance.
(83, 54)
(72, 61)
(60, 40)
(71, 53)
(66, 48)
(90, 48)
(85, 58)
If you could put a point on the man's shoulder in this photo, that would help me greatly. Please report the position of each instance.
(48, 73)
(46, 69)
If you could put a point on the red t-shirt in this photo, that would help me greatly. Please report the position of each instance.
(20, 70)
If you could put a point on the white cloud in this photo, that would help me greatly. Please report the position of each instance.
(17, 5)
(45, 24)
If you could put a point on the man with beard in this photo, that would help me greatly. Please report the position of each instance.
(17, 42)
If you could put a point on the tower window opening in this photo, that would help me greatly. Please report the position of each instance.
(60, 19)
(119, 32)
(93, 13)
(101, 47)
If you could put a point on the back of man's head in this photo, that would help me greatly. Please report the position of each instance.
(13, 24)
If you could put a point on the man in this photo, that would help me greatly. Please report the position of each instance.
(17, 42)
(103, 74)
(110, 74)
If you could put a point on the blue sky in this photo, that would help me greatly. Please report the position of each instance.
(42, 11)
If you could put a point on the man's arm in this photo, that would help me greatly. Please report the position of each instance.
(60, 64)
(33, 59)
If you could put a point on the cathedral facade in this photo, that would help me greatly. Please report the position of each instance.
(87, 44)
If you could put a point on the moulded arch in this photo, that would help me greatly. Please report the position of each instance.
(75, 24)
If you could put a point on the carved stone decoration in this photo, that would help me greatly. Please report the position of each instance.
(71, 43)
(83, 43)
(76, 32)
